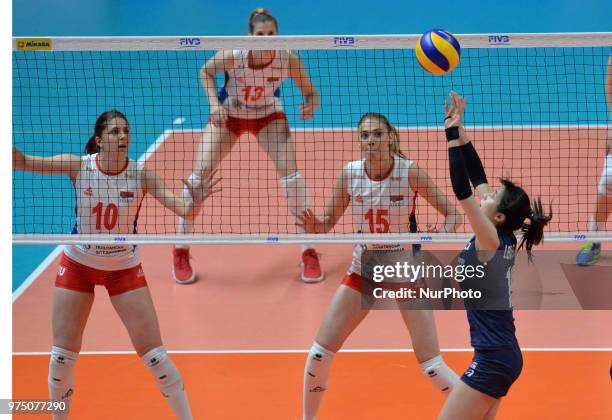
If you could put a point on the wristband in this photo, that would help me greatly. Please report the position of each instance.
(452, 133)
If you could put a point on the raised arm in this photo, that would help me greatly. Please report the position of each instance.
(301, 79)
(421, 182)
(484, 229)
(188, 209)
(474, 165)
(334, 209)
(51, 165)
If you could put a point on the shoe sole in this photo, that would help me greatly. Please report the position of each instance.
(313, 280)
(190, 280)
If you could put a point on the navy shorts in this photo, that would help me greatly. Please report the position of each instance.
(493, 372)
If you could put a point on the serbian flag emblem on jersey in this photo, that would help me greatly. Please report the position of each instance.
(126, 195)
(396, 198)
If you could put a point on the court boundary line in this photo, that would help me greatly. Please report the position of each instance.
(34, 275)
(301, 351)
(37, 272)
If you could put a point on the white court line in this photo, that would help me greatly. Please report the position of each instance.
(37, 272)
(53, 255)
(102, 353)
(153, 147)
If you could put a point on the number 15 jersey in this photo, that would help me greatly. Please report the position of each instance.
(379, 205)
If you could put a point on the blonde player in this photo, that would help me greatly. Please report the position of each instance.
(110, 188)
(380, 189)
(250, 102)
(591, 251)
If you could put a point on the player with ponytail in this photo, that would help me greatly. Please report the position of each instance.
(497, 360)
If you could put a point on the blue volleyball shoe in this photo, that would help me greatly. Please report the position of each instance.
(589, 254)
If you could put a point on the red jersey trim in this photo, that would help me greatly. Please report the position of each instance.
(127, 161)
(384, 177)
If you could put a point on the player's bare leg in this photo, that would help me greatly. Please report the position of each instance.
(275, 139)
(216, 143)
(136, 310)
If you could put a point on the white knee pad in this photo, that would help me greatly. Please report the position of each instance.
(438, 373)
(60, 379)
(296, 192)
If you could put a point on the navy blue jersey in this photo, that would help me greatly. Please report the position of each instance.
(490, 317)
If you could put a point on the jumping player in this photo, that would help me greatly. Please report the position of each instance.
(591, 251)
(110, 188)
(380, 188)
(250, 102)
(497, 360)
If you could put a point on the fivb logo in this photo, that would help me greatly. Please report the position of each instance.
(344, 41)
(499, 40)
(189, 42)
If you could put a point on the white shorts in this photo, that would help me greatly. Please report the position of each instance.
(605, 182)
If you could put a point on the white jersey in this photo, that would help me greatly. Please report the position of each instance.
(254, 92)
(379, 205)
(107, 203)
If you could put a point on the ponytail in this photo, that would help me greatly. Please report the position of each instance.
(533, 232)
(92, 147)
(394, 147)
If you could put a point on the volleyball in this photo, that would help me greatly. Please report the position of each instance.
(438, 51)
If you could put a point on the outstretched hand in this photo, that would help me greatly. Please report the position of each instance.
(453, 116)
(201, 190)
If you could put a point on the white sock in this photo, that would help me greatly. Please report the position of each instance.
(186, 226)
(169, 381)
(439, 374)
(60, 378)
(297, 197)
(595, 226)
(316, 374)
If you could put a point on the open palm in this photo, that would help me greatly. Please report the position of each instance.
(453, 116)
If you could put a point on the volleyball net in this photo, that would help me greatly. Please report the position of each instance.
(536, 112)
